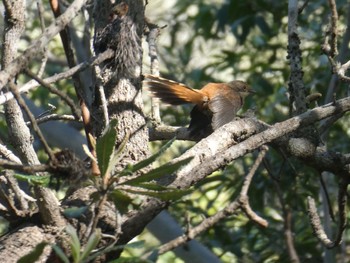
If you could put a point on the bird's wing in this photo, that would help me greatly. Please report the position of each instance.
(171, 92)
(224, 108)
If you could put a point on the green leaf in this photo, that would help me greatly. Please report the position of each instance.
(168, 195)
(133, 168)
(111, 248)
(34, 179)
(59, 252)
(130, 260)
(91, 244)
(105, 146)
(34, 255)
(136, 244)
(154, 256)
(118, 154)
(121, 200)
(151, 186)
(75, 212)
(74, 243)
(158, 172)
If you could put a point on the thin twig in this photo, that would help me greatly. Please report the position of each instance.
(325, 191)
(243, 197)
(342, 200)
(42, 26)
(29, 169)
(152, 35)
(109, 53)
(316, 222)
(302, 7)
(31, 117)
(249, 176)
(101, 90)
(54, 117)
(59, 93)
(289, 237)
(195, 231)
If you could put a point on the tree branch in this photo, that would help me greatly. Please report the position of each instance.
(109, 53)
(22, 61)
(296, 84)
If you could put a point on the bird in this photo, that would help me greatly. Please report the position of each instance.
(215, 104)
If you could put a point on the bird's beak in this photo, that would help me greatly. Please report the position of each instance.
(251, 91)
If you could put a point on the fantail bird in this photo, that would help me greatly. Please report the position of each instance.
(215, 104)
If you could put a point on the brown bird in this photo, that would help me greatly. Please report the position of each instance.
(215, 104)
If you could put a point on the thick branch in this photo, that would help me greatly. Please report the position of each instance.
(296, 84)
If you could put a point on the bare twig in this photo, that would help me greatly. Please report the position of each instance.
(152, 35)
(193, 232)
(249, 176)
(59, 93)
(63, 75)
(42, 25)
(55, 117)
(31, 117)
(243, 197)
(102, 95)
(289, 237)
(342, 200)
(302, 7)
(328, 201)
(29, 169)
(316, 222)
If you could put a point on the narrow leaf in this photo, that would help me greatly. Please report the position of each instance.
(158, 172)
(75, 212)
(151, 186)
(170, 194)
(105, 146)
(59, 252)
(148, 161)
(120, 200)
(130, 260)
(154, 256)
(117, 156)
(74, 243)
(137, 244)
(34, 255)
(34, 179)
(91, 244)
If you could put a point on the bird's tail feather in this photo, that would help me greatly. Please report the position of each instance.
(171, 92)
